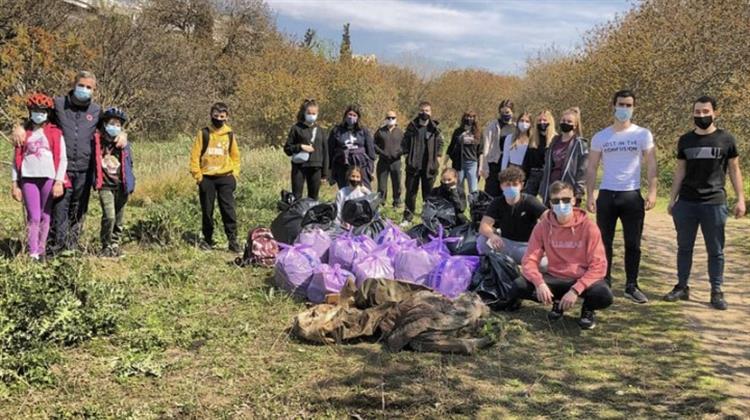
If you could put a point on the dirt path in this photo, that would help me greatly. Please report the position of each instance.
(725, 335)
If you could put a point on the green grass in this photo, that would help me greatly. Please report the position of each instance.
(201, 338)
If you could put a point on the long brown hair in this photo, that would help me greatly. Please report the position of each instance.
(475, 127)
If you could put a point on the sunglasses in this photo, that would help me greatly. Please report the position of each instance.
(565, 200)
(390, 118)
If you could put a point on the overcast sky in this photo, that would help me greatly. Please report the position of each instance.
(494, 35)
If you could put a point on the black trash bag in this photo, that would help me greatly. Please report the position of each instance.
(479, 202)
(288, 224)
(287, 199)
(494, 280)
(361, 211)
(438, 212)
(322, 215)
(468, 243)
(421, 233)
(371, 229)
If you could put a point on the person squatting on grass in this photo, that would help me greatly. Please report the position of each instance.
(115, 180)
(355, 189)
(38, 172)
(698, 197)
(215, 166)
(576, 265)
(307, 146)
(450, 190)
(621, 148)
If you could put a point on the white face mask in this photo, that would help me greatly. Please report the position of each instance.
(523, 126)
(311, 118)
(390, 122)
(38, 117)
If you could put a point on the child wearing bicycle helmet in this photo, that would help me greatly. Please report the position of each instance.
(38, 172)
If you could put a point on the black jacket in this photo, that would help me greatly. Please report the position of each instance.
(388, 142)
(414, 149)
(456, 149)
(300, 134)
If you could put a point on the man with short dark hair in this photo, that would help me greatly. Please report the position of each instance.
(576, 265)
(621, 148)
(698, 197)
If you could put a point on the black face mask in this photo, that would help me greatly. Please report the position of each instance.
(703, 122)
(566, 128)
(542, 127)
(424, 116)
(505, 118)
(217, 123)
(355, 183)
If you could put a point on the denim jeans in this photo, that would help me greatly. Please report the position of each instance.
(469, 172)
(712, 218)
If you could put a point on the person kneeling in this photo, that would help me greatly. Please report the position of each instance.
(452, 192)
(577, 263)
(354, 190)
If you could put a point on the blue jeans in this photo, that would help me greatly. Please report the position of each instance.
(712, 218)
(469, 172)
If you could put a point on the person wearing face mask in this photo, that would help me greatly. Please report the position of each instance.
(465, 149)
(354, 189)
(423, 147)
(492, 147)
(388, 140)
(451, 191)
(534, 160)
(115, 180)
(566, 157)
(506, 226)
(38, 173)
(621, 148)
(215, 166)
(576, 261)
(350, 144)
(307, 146)
(78, 116)
(698, 197)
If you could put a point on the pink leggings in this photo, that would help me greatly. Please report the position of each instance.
(37, 197)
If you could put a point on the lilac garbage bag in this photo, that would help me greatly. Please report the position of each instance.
(453, 275)
(373, 266)
(294, 268)
(439, 244)
(347, 248)
(392, 234)
(415, 264)
(391, 249)
(325, 280)
(318, 239)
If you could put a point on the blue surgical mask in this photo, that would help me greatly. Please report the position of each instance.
(113, 130)
(511, 193)
(38, 117)
(82, 94)
(311, 118)
(623, 114)
(563, 209)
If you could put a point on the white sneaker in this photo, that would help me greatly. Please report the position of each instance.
(405, 224)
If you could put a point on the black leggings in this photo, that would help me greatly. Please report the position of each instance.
(300, 175)
(597, 296)
(628, 206)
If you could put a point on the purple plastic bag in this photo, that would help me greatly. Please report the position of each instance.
(415, 265)
(347, 248)
(373, 266)
(391, 249)
(453, 275)
(391, 234)
(439, 244)
(326, 279)
(294, 268)
(318, 240)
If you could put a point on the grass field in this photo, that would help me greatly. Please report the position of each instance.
(200, 338)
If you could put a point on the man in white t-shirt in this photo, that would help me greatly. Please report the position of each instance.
(621, 148)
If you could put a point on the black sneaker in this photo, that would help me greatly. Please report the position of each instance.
(556, 313)
(206, 245)
(587, 320)
(717, 300)
(235, 247)
(678, 293)
(634, 293)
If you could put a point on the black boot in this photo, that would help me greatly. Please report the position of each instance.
(717, 299)
(678, 293)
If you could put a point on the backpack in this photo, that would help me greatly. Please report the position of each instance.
(207, 136)
(260, 250)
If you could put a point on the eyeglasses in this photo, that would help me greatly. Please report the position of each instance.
(565, 200)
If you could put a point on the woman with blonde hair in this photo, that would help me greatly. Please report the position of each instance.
(539, 139)
(566, 156)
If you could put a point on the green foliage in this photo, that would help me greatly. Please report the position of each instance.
(164, 224)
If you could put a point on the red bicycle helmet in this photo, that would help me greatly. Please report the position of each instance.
(40, 100)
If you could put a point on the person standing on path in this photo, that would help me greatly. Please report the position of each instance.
(388, 140)
(621, 148)
(492, 147)
(699, 199)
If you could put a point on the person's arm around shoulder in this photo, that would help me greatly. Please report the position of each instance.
(652, 170)
(195, 158)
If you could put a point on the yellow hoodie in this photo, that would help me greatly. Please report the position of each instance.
(218, 159)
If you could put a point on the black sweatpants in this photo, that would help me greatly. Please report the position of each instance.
(221, 187)
(413, 181)
(309, 175)
(389, 168)
(492, 183)
(597, 296)
(69, 213)
(628, 206)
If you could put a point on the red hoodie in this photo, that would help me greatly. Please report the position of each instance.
(574, 251)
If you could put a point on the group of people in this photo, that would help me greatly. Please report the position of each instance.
(539, 177)
(530, 167)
